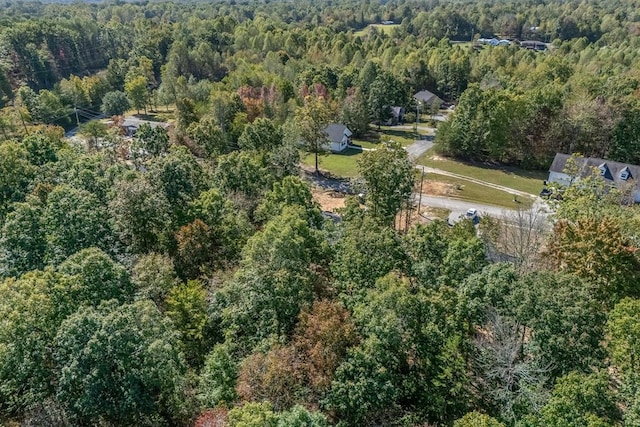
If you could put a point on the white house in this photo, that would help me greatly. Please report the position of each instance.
(613, 173)
(338, 137)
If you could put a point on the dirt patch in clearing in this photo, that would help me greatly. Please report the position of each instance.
(438, 158)
(414, 218)
(434, 213)
(435, 188)
(328, 200)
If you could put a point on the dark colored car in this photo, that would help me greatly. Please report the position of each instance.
(548, 193)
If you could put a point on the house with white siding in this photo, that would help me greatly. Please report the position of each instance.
(616, 174)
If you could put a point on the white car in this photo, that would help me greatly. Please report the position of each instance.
(472, 214)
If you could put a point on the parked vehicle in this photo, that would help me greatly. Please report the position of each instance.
(472, 214)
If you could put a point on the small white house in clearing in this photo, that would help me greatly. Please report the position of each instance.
(615, 174)
(338, 137)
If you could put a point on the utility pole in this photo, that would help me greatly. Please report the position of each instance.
(420, 196)
(75, 108)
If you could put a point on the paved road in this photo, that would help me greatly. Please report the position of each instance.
(419, 147)
(459, 207)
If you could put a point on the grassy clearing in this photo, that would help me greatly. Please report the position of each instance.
(387, 29)
(338, 164)
(344, 164)
(366, 144)
(518, 179)
(465, 190)
(403, 136)
(161, 115)
(400, 135)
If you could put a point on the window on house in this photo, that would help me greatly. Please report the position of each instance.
(603, 169)
(625, 174)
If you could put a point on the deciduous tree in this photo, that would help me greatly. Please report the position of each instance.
(579, 400)
(137, 91)
(209, 137)
(74, 220)
(115, 103)
(623, 343)
(312, 119)
(154, 276)
(140, 214)
(389, 177)
(99, 277)
(385, 92)
(22, 240)
(16, 173)
(187, 308)
(150, 141)
(217, 381)
(32, 308)
(597, 250)
(291, 191)
(262, 134)
(119, 363)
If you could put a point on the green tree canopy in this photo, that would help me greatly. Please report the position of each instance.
(22, 240)
(115, 103)
(291, 191)
(137, 91)
(262, 134)
(16, 172)
(312, 119)
(140, 214)
(128, 355)
(32, 309)
(100, 278)
(150, 141)
(580, 400)
(389, 176)
(74, 220)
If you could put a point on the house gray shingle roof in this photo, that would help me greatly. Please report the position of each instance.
(612, 172)
(426, 97)
(336, 132)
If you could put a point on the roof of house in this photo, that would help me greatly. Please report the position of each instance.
(426, 96)
(136, 123)
(337, 131)
(611, 171)
(397, 111)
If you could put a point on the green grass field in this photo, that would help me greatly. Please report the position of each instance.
(518, 179)
(465, 190)
(402, 136)
(340, 164)
(387, 29)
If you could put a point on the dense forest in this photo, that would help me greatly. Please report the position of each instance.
(186, 275)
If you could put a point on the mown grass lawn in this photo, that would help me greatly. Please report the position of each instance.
(400, 135)
(338, 164)
(518, 179)
(470, 191)
(344, 163)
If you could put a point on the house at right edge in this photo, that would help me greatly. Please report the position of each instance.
(615, 174)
